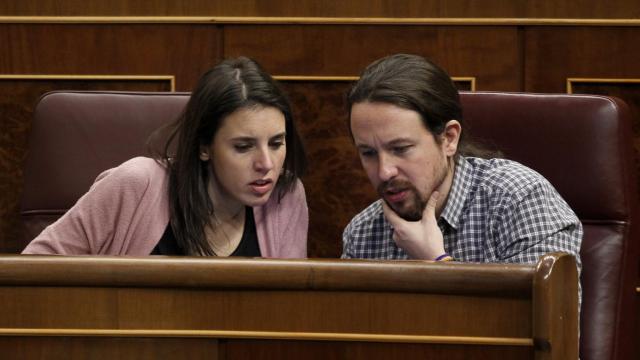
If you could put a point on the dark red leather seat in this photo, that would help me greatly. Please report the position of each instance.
(583, 145)
(77, 135)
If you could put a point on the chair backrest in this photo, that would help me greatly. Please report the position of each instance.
(77, 135)
(582, 144)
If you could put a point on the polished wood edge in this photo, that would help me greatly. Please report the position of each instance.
(511, 280)
(317, 20)
(555, 307)
(571, 81)
(170, 78)
(470, 79)
(468, 340)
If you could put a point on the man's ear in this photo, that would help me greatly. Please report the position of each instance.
(451, 137)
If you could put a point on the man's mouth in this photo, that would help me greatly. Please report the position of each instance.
(396, 195)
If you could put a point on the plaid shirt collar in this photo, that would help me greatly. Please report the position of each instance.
(460, 188)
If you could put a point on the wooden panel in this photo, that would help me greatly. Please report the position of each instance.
(260, 349)
(282, 308)
(553, 55)
(337, 187)
(357, 8)
(185, 51)
(333, 50)
(17, 101)
(95, 348)
(270, 311)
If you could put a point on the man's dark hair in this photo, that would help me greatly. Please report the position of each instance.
(414, 83)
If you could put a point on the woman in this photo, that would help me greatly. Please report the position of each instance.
(231, 188)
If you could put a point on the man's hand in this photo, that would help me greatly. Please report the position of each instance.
(420, 239)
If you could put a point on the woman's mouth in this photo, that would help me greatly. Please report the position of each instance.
(261, 187)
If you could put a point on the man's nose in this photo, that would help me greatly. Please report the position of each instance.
(387, 169)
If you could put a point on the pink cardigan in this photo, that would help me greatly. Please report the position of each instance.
(126, 212)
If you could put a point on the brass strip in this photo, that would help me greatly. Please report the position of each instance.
(465, 340)
(470, 79)
(314, 78)
(170, 78)
(571, 81)
(318, 20)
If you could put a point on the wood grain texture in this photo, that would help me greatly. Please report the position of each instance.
(184, 51)
(353, 8)
(337, 187)
(333, 50)
(578, 52)
(257, 349)
(98, 348)
(241, 295)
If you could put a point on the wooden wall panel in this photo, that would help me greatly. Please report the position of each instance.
(337, 187)
(18, 98)
(494, 59)
(184, 51)
(331, 8)
(320, 350)
(554, 54)
(107, 348)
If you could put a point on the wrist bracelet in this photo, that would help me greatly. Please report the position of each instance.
(444, 257)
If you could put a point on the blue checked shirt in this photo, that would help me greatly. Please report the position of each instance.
(497, 211)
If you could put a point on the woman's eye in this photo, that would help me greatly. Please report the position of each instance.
(276, 144)
(242, 147)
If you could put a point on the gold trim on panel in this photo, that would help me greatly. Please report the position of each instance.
(280, 335)
(470, 79)
(170, 78)
(319, 20)
(314, 78)
(571, 81)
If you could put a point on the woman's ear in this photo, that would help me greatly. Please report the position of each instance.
(204, 153)
(451, 137)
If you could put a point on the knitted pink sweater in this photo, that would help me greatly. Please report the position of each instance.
(127, 210)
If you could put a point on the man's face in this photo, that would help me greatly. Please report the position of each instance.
(402, 158)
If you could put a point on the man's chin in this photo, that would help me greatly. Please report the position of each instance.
(406, 214)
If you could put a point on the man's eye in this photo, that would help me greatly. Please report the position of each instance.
(367, 153)
(401, 149)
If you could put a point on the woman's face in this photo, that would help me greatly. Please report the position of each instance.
(246, 156)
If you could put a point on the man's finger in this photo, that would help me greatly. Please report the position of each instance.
(391, 215)
(430, 209)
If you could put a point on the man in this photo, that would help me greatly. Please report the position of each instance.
(438, 201)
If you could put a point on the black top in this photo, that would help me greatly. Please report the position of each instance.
(248, 245)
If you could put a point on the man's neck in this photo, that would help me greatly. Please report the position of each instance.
(445, 188)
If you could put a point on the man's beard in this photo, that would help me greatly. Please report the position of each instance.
(413, 206)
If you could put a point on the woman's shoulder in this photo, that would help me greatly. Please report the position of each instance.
(136, 172)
